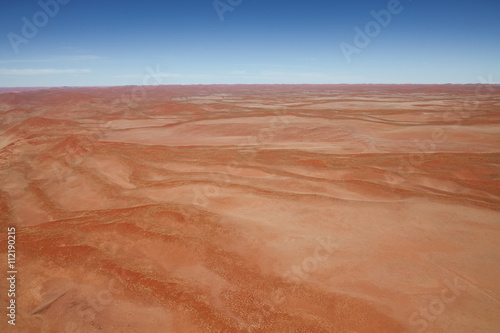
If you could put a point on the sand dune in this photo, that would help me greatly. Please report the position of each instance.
(370, 208)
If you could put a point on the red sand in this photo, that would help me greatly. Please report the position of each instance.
(253, 208)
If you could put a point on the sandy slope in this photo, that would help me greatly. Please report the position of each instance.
(254, 208)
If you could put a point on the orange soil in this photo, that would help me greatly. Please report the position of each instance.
(253, 208)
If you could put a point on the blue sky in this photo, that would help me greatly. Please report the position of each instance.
(105, 43)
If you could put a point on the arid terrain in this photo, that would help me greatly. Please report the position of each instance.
(252, 208)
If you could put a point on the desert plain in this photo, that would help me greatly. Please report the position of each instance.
(252, 208)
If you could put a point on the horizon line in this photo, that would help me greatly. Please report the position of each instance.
(246, 84)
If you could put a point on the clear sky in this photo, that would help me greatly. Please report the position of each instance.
(121, 42)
